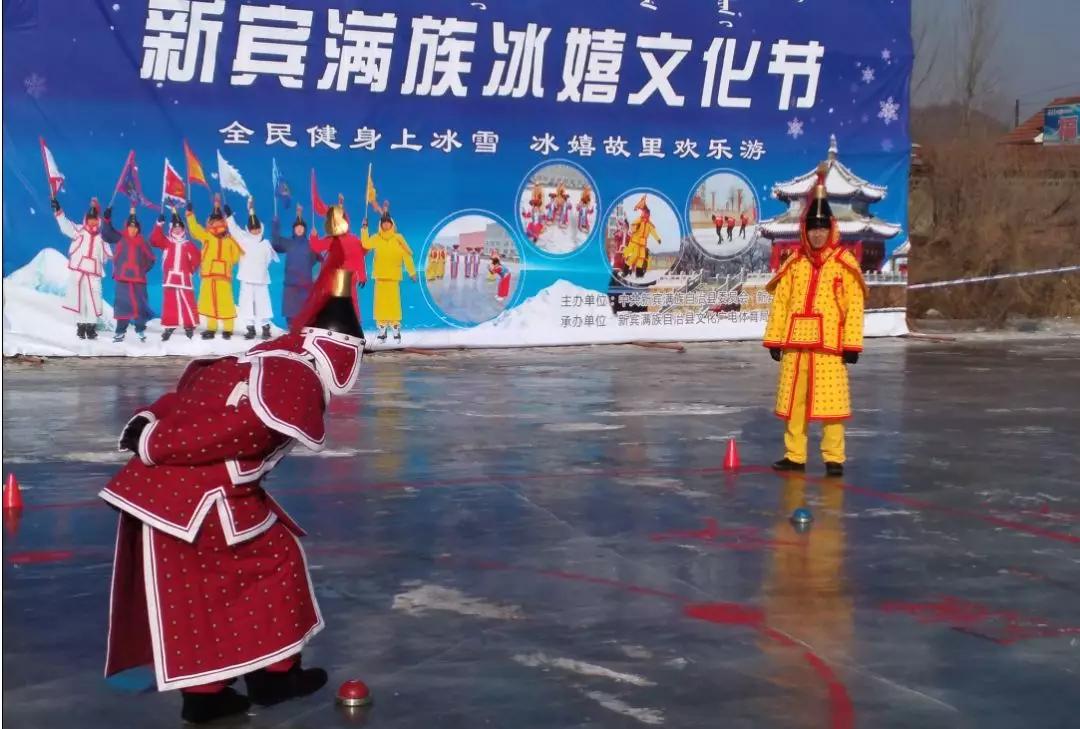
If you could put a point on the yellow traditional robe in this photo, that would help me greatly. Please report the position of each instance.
(219, 259)
(391, 253)
(816, 316)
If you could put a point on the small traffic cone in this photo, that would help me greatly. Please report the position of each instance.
(12, 517)
(731, 458)
(12, 496)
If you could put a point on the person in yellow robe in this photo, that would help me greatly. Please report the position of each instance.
(220, 254)
(815, 330)
(391, 254)
(636, 251)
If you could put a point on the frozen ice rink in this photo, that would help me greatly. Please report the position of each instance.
(545, 539)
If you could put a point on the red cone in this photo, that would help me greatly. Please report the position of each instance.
(12, 497)
(731, 458)
(12, 517)
(354, 693)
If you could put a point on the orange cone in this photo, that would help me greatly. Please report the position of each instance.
(731, 458)
(12, 496)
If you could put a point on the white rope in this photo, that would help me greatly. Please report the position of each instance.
(997, 277)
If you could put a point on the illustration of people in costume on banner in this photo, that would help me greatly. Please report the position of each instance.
(636, 251)
(503, 275)
(132, 260)
(585, 210)
(180, 263)
(535, 215)
(220, 254)
(87, 254)
(391, 254)
(300, 260)
(254, 308)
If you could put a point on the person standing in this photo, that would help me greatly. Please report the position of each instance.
(300, 260)
(815, 331)
(220, 254)
(132, 260)
(254, 307)
(179, 266)
(391, 254)
(86, 256)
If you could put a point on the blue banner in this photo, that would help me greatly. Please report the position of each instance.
(560, 172)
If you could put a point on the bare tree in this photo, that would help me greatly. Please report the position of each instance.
(977, 33)
(926, 44)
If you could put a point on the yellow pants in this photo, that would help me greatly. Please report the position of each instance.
(211, 324)
(795, 435)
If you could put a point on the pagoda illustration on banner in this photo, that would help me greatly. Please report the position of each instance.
(850, 197)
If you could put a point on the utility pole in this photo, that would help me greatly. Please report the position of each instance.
(1017, 114)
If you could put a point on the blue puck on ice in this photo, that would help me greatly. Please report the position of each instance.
(801, 516)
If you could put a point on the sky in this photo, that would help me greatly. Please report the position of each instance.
(1036, 58)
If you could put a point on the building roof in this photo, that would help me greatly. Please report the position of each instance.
(1030, 132)
(856, 227)
(840, 182)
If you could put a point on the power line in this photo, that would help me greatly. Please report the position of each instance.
(1033, 96)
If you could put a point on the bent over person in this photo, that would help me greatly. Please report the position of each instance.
(209, 580)
(815, 330)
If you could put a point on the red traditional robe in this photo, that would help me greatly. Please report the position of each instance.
(179, 266)
(210, 581)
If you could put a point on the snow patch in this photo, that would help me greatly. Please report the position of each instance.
(541, 660)
(424, 598)
(613, 703)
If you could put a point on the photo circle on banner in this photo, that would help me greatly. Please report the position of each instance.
(557, 207)
(722, 213)
(642, 237)
(461, 279)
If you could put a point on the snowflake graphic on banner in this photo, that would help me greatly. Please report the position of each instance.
(889, 111)
(868, 75)
(795, 128)
(887, 145)
(35, 85)
(886, 55)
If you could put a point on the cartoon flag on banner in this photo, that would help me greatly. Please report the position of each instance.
(282, 191)
(173, 190)
(317, 205)
(229, 177)
(195, 174)
(52, 172)
(372, 198)
(129, 184)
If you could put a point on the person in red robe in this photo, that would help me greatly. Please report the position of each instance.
(342, 250)
(210, 582)
(502, 273)
(178, 269)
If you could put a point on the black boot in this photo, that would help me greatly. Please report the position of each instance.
(397, 334)
(208, 334)
(91, 331)
(189, 331)
(203, 708)
(167, 333)
(834, 469)
(226, 335)
(81, 330)
(250, 333)
(786, 464)
(266, 331)
(267, 688)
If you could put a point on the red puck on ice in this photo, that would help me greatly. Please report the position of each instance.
(354, 693)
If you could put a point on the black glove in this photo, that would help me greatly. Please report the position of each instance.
(228, 211)
(775, 353)
(108, 213)
(55, 205)
(851, 357)
(129, 439)
(161, 218)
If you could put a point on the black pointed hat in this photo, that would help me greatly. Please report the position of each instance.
(253, 223)
(176, 220)
(132, 220)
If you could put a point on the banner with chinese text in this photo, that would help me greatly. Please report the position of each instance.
(559, 172)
